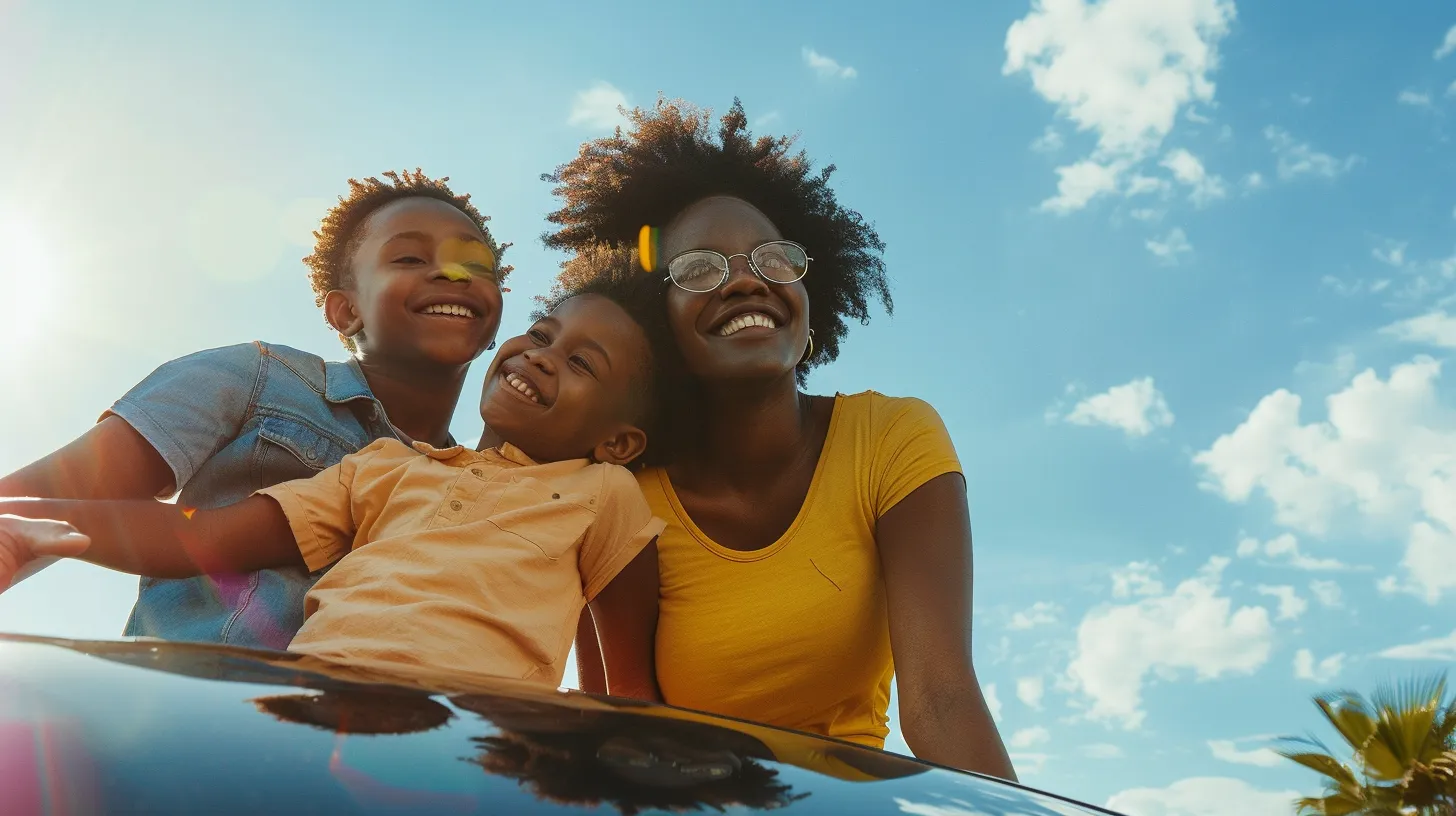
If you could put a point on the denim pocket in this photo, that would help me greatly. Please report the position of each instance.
(552, 521)
(303, 444)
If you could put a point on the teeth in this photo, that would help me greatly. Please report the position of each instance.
(743, 321)
(521, 385)
(450, 309)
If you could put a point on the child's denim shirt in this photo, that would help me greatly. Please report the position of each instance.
(230, 421)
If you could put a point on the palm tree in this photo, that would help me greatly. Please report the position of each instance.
(1402, 749)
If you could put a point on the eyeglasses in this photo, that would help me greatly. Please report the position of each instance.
(703, 270)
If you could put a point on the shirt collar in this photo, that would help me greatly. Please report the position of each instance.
(508, 452)
(345, 381)
(514, 455)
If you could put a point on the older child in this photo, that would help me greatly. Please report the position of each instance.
(474, 561)
(408, 274)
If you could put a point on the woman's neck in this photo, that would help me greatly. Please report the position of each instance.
(752, 429)
(419, 400)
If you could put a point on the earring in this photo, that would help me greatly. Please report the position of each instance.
(809, 355)
(490, 347)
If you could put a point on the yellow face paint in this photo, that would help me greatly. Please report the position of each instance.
(460, 260)
(647, 247)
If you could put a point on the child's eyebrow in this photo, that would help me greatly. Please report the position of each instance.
(424, 236)
(585, 341)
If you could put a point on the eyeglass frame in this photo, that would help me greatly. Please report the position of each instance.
(728, 266)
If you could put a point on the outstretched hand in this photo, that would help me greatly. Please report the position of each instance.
(24, 540)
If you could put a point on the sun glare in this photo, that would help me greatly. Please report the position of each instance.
(28, 268)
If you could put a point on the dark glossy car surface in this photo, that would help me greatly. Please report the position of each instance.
(150, 727)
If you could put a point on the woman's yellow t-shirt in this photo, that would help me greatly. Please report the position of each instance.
(796, 634)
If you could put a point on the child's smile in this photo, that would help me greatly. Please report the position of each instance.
(521, 382)
(569, 386)
(425, 284)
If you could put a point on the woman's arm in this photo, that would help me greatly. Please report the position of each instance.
(925, 552)
(624, 615)
(591, 671)
(160, 540)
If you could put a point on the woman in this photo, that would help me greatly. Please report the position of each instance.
(815, 545)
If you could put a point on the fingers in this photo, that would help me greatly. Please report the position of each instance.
(22, 540)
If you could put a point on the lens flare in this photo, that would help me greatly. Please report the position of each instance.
(647, 241)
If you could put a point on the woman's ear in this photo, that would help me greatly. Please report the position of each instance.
(340, 312)
(622, 448)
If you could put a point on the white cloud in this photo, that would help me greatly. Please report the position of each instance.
(1441, 648)
(1417, 99)
(1305, 667)
(1393, 254)
(1050, 141)
(1297, 159)
(1229, 751)
(598, 107)
(1204, 796)
(767, 120)
(1027, 763)
(1433, 329)
(993, 702)
(1300, 99)
(826, 67)
(1193, 627)
(1040, 613)
(1140, 184)
(1121, 69)
(1138, 578)
(1451, 90)
(1189, 171)
(1146, 214)
(1255, 181)
(1387, 452)
(1136, 408)
(1448, 44)
(1170, 247)
(1030, 690)
(1101, 750)
(1291, 606)
(1284, 550)
(1029, 738)
(1081, 182)
(1328, 593)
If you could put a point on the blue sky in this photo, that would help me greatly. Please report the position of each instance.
(1179, 275)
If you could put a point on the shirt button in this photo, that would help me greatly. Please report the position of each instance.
(455, 505)
(476, 471)
(555, 495)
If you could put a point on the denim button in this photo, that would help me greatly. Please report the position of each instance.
(455, 505)
(477, 471)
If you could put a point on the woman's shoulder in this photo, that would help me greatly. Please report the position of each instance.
(881, 412)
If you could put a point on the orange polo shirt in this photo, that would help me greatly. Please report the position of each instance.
(458, 559)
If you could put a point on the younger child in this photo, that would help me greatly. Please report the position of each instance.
(477, 561)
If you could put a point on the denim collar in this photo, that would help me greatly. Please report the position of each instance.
(345, 381)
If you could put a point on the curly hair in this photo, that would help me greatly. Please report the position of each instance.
(670, 158)
(339, 234)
